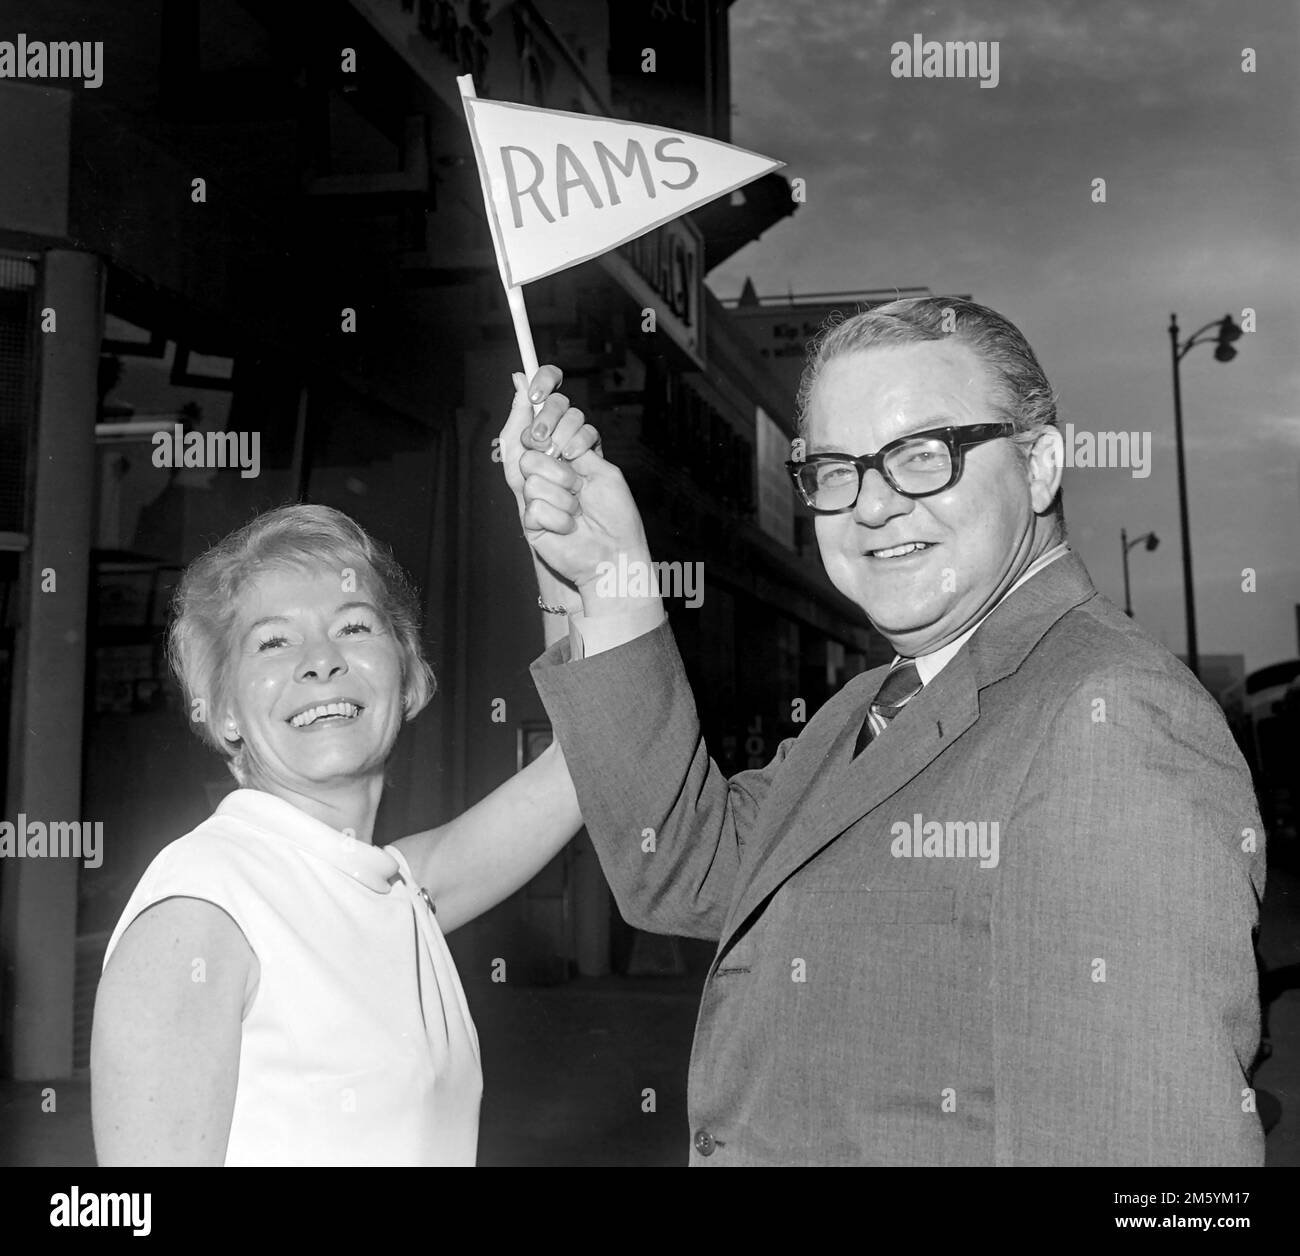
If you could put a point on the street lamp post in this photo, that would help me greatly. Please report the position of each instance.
(1151, 542)
(1228, 331)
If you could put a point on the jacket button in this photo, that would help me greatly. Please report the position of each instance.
(704, 1143)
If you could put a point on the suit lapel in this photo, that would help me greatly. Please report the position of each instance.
(841, 791)
(852, 788)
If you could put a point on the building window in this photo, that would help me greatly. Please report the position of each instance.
(18, 277)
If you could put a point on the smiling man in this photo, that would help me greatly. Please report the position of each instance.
(995, 904)
(925, 560)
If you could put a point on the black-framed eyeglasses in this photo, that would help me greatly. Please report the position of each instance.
(918, 465)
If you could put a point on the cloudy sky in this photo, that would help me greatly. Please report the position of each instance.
(942, 183)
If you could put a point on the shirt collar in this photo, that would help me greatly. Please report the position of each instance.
(371, 866)
(928, 666)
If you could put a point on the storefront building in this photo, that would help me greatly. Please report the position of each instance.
(268, 224)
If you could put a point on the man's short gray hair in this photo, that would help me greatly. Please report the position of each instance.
(1021, 393)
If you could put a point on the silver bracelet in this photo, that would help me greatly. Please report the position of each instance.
(551, 610)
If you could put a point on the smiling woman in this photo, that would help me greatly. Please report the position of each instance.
(230, 626)
(278, 990)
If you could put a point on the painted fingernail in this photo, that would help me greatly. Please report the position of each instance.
(540, 431)
(535, 395)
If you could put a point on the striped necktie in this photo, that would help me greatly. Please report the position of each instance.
(901, 685)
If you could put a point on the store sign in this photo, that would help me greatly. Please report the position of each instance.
(775, 492)
(664, 272)
(435, 36)
(782, 332)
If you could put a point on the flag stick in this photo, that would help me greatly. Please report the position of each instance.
(551, 630)
(523, 332)
(515, 294)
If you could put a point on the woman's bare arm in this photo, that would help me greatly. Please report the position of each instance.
(164, 1050)
(499, 844)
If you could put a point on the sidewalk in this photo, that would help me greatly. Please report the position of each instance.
(590, 1046)
(565, 1069)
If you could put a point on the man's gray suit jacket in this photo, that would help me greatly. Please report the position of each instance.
(885, 991)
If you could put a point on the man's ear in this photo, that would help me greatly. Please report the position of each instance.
(1045, 466)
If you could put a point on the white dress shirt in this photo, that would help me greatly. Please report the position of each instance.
(928, 666)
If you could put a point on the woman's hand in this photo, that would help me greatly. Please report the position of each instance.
(577, 511)
(559, 428)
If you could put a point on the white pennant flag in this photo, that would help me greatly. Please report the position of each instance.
(563, 187)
